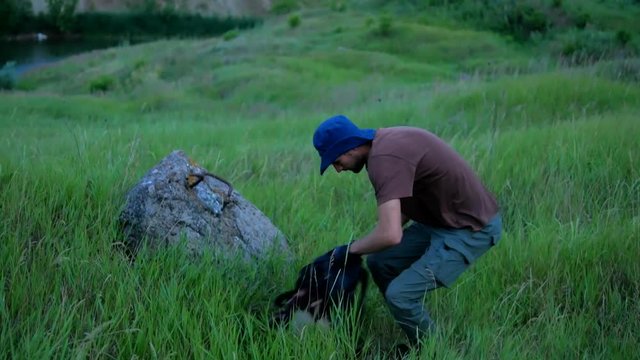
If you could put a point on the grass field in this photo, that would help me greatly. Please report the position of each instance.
(556, 140)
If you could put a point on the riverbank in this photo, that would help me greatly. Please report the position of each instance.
(18, 58)
(23, 52)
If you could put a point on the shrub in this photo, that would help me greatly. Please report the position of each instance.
(294, 21)
(338, 5)
(7, 77)
(103, 83)
(26, 84)
(623, 37)
(284, 6)
(519, 19)
(585, 46)
(62, 13)
(582, 20)
(369, 22)
(139, 64)
(230, 35)
(522, 20)
(384, 25)
(13, 15)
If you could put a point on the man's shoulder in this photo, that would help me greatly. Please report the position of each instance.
(400, 133)
(399, 140)
(399, 130)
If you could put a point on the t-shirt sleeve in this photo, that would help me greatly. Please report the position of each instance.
(391, 177)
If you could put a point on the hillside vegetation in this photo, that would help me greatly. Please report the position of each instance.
(544, 106)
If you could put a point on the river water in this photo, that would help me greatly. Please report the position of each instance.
(28, 55)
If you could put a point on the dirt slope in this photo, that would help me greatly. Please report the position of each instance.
(204, 7)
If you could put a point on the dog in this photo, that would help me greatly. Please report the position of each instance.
(322, 287)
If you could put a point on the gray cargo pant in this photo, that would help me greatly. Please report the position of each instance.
(426, 258)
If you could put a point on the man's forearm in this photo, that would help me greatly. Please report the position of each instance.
(375, 241)
(388, 230)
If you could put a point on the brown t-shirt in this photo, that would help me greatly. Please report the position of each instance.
(434, 184)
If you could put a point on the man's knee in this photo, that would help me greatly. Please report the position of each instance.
(398, 297)
(376, 266)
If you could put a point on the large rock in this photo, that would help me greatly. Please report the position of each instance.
(179, 201)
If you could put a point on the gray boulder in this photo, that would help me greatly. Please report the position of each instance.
(178, 201)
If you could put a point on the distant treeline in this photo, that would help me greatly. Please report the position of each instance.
(156, 24)
(126, 24)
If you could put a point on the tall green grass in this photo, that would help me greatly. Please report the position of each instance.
(557, 145)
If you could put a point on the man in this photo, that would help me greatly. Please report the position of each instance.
(416, 176)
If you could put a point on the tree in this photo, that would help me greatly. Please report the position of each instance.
(13, 14)
(61, 13)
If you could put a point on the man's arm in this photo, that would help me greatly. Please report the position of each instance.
(388, 231)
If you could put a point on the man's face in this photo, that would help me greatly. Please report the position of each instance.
(352, 160)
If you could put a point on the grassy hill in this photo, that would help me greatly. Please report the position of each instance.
(549, 120)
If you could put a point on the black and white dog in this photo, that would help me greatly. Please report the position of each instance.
(321, 288)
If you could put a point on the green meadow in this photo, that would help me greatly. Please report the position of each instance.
(551, 123)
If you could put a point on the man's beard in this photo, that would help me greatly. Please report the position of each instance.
(359, 165)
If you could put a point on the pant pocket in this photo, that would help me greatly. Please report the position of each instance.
(447, 264)
(473, 244)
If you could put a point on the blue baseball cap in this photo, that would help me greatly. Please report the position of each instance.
(337, 135)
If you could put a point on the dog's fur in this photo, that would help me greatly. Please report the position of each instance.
(321, 288)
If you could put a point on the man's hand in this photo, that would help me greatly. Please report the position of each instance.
(341, 255)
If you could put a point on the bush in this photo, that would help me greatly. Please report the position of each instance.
(13, 15)
(623, 37)
(103, 83)
(582, 20)
(294, 21)
(385, 23)
(519, 19)
(230, 35)
(26, 84)
(338, 5)
(284, 6)
(586, 46)
(369, 22)
(62, 13)
(7, 76)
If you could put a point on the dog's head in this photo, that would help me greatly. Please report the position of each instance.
(321, 286)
